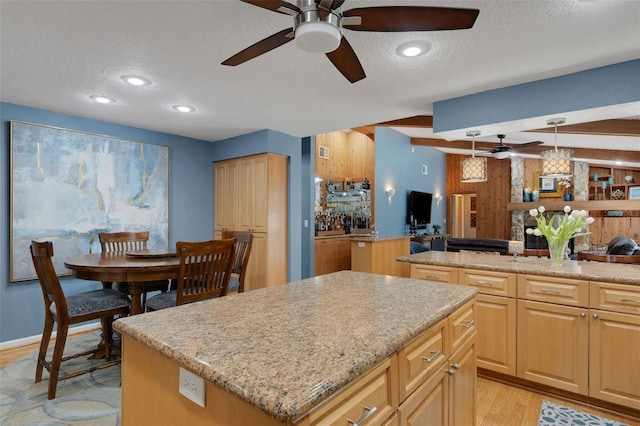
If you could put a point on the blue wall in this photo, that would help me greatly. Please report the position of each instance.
(397, 166)
(191, 184)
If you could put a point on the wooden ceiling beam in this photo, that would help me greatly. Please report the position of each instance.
(616, 127)
(595, 154)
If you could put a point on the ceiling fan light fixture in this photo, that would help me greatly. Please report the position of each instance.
(318, 37)
(501, 155)
(556, 163)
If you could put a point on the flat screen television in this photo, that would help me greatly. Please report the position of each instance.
(419, 208)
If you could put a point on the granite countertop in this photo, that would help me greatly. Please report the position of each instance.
(372, 238)
(594, 271)
(285, 349)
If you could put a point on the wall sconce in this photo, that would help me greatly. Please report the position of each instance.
(390, 193)
(438, 200)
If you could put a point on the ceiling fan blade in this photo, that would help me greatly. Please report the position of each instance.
(410, 18)
(261, 47)
(275, 6)
(332, 4)
(522, 146)
(346, 61)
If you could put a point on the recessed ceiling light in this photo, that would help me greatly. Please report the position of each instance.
(184, 108)
(136, 80)
(413, 49)
(102, 99)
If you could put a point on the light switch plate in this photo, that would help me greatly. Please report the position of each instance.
(192, 386)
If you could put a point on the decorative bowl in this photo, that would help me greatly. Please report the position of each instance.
(628, 179)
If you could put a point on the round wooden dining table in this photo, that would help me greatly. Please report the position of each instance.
(133, 267)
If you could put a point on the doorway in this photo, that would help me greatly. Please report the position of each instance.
(463, 215)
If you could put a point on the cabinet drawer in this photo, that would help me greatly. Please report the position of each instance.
(462, 325)
(442, 274)
(615, 297)
(562, 291)
(377, 390)
(490, 282)
(422, 357)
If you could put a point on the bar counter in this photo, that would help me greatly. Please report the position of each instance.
(592, 271)
(288, 348)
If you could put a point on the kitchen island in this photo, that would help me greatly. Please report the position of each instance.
(377, 254)
(572, 330)
(298, 353)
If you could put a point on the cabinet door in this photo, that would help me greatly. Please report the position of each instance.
(245, 194)
(225, 196)
(614, 361)
(428, 405)
(553, 345)
(462, 388)
(260, 191)
(496, 342)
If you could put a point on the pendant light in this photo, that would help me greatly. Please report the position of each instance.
(556, 163)
(473, 169)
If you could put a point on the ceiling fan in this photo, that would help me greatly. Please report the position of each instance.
(502, 150)
(318, 27)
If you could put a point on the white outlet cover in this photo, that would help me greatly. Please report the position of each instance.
(192, 387)
(425, 169)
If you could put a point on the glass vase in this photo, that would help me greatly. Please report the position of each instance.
(557, 250)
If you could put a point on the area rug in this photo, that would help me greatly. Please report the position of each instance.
(91, 399)
(559, 415)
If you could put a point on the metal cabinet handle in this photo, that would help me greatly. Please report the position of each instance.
(431, 277)
(484, 283)
(546, 290)
(629, 301)
(468, 324)
(582, 315)
(370, 412)
(456, 366)
(595, 316)
(450, 371)
(433, 355)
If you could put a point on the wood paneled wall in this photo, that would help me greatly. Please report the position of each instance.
(352, 156)
(493, 220)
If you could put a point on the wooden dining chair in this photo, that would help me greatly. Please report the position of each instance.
(244, 240)
(609, 258)
(205, 270)
(112, 242)
(103, 304)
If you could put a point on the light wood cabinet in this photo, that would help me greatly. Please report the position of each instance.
(614, 344)
(447, 394)
(378, 256)
(350, 155)
(553, 345)
(496, 313)
(332, 255)
(444, 274)
(225, 212)
(251, 196)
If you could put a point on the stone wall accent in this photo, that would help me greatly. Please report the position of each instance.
(517, 188)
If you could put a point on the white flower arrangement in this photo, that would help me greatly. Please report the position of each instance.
(567, 226)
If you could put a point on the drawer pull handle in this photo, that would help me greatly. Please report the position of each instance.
(433, 355)
(489, 283)
(546, 290)
(456, 366)
(629, 301)
(370, 412)
(468, 324)
(431, 277)
(450, 371)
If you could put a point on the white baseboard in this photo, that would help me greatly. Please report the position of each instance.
(11, 344)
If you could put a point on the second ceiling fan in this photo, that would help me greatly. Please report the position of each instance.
(503, 150)
(318, 27)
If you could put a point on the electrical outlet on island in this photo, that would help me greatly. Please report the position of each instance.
(192, 386)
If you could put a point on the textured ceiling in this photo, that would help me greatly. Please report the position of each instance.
(54, 54)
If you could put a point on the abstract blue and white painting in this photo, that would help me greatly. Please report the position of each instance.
(67, 186)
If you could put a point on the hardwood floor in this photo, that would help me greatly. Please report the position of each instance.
(504, 405)
(498, 404)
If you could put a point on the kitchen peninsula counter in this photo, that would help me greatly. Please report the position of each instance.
(592, 271)
(283, 350)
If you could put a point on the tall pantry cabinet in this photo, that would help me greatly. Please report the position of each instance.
(250, 195)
